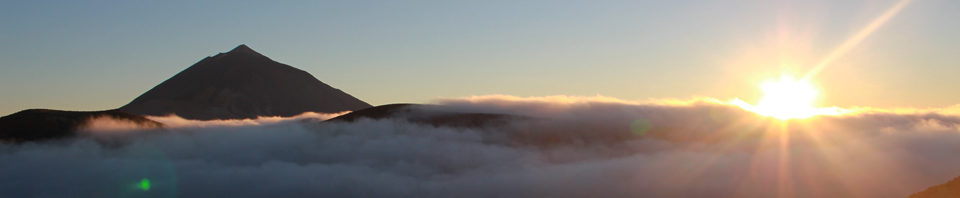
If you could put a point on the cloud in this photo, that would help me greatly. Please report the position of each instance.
(180, 122)
(570, 147)
(109, 124)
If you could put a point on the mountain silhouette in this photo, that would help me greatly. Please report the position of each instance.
(949, 189)
(241, 84)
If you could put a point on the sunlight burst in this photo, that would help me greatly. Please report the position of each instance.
(787, 99)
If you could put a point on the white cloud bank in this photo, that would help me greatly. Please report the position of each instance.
(569, 147)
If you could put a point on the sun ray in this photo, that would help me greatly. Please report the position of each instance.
(854, 40)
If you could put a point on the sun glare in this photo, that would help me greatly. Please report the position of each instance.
(786, 99)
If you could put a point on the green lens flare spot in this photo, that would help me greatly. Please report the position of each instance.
(640, 126)
(144, 184)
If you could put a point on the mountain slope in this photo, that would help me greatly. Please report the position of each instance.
(949, 189)
(241, 84)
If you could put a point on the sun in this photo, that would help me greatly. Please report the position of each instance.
(787, 99)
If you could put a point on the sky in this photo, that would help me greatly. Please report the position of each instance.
(94, 55)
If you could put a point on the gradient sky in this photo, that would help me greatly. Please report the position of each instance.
(94, 55)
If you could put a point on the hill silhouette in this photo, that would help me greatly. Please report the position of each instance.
(241, 83)
(429, 114)
(46, 124)
(949, 189)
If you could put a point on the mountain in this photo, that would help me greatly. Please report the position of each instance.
(45, 124)
(241, 84)
(949, 189)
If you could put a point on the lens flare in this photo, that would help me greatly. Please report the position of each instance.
(788, 99)
(144, 184)
(854, 40)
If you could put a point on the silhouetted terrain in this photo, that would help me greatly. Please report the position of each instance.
(946, 190)
(516, 129)
(45, 124)
(234, 85)
(241, 84)
(428, 114)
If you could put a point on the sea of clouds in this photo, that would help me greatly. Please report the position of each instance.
(554, 146)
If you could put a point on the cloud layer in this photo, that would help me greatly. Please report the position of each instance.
(569, 147)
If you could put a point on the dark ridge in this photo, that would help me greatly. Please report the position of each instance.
(376, 113)
(46, 124)
(949, 189)
(511, 128)
(428, 114)
(238, 84)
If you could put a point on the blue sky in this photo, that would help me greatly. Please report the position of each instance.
(90, 55)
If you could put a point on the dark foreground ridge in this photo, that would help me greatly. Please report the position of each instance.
(45, 124)
(429, 115)
(949, 189)
(241, 84)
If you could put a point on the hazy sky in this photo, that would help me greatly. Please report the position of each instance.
(90, 55)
